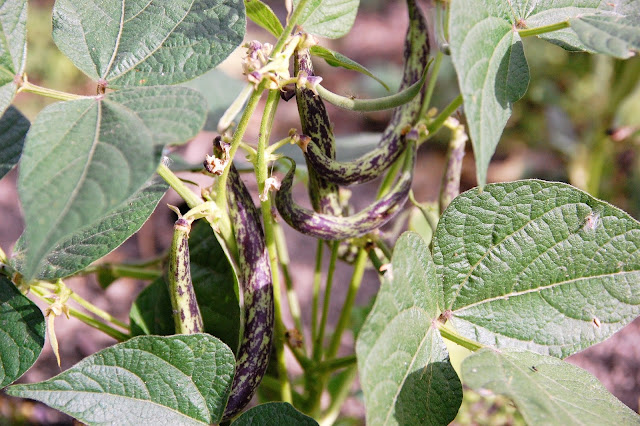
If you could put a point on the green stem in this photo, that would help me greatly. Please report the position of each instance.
(270, 239)
(344, 387)
(319, 340)
(343, 320)
(292, 298)
(337, 363)
(222, 223)
(428, 94)
(438, 122)
(108, 330)
(174, 182)
(389, 178)
(293, 21)
(125, 271)
(528, 32)
(317, 277)
(221, 182)
(26, 86)
(98, 312)
(449, 334)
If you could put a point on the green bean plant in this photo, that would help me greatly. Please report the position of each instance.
(510, 279)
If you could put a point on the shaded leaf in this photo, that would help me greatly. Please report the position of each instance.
(545, 390)
(263, 16)
(404, 366)
(336, 59)
(539, 266)
(274, 414)
(147, 43)
(13, 48)
(98, 238)
(492, 72)
(82, 159)
(328, 18)
(176, 380)
(13, 129)
(216, 290)
(21, 332)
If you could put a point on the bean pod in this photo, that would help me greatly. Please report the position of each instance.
(254, 274)
(393, 142)
(328, 227)
(316, 124)
(186, 313)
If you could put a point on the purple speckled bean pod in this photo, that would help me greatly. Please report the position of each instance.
(316, 124)
(392, 144)
(329, 227)
(254, 274)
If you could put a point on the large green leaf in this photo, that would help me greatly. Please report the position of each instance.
(98, 238)
(274, 414)
(539, 266)
(172, 380)
(328, 18)
(129, 43)
(216, 290)
(546, 391)
(404, 366)
(82, 159)
(617, 36)
(492, 71)
(336, 59)
(13, 129)
(13, 48)
(21, 332)
(263, 16)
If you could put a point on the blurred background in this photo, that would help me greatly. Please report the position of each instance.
(578, 123)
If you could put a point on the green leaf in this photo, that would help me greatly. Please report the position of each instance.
(176, 380)
(336, 59)
(13, 48)
(328, 18)
(539, 266)
(13, 129)
(82, 159)
(21, 332)
(549, 12)
(274, 414)
(617, 36)
(545, 390)
(215, 285)
(404, 366)
(492, 71)
(98, 238)
(147, 43)
(263, 16)
(219, 90)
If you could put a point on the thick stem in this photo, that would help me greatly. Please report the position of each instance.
(345, 314)
(270, 240)
(317, 277)
(528, 32)
(292, 298)
(319, 340)
(26, 86)
(450, 187)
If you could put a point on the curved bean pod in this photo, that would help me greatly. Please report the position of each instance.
(254, 274)
(316, 124)
(392, 144)
(186, 313)
(329, 227)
